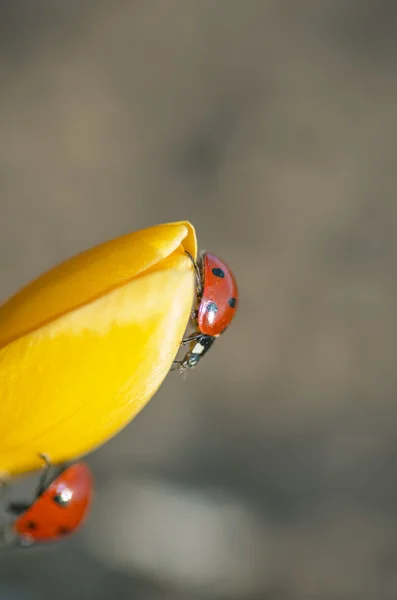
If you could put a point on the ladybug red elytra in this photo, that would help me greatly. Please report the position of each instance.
(217, 298)
(60, 506)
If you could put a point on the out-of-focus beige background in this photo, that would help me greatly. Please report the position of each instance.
(270, 473)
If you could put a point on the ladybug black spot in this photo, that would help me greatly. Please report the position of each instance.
(32, 525)
(212, 307)
(232, 302)
(218, 272)
(63, 530)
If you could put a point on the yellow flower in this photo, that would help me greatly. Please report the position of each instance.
(85, 346)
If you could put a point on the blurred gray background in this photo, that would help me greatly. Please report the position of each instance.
(271, 125)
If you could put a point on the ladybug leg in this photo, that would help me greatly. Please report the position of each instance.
(43, 484)
(17, 508)
(177, 364)
(180, 365)
(199, 283)
(191, 338)
(14, 508)
(3, 489)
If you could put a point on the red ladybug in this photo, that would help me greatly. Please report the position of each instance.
(60, 507)
(217, 297)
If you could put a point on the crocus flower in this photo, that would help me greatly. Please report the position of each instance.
(85, 346)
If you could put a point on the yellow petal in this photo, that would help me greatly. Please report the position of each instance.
(91, 274)
(72, 378)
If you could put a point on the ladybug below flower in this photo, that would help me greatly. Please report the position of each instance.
(217, 298)
(59, 508)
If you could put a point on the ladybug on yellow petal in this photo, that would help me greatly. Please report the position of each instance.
(217, 299)
(59, 508)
